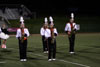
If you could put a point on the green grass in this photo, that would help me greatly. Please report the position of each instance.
(87, 48)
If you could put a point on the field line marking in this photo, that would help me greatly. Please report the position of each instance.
(2, 62)
(73, 63)
(65, 61)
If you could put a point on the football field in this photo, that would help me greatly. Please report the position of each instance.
(87, 52)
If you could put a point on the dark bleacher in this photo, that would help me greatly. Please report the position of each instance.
(14, 11)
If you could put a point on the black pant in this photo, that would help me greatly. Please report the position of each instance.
(44, 42)
(0, 41)
(23, 49)
(71, 42)
(51, 48)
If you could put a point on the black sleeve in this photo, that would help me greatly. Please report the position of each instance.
(25, 35)
(55, 34)
(74, 29)
(18, 38)
(5, 31)
(66, 32)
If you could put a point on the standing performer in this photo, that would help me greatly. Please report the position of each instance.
(4, 36)
(70, 29)
(52, 41)
(22, 34)
(4, 30)
(44, 40)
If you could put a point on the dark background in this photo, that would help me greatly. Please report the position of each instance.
(59, 6)
(87, 13)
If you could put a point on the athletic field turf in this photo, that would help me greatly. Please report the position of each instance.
(87, 48)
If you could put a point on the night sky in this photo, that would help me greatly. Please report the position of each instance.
(57, 5)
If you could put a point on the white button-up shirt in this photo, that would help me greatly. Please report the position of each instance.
(55, 31)
(68, 26)
(47, 33)
(18, 34)
(42, 31)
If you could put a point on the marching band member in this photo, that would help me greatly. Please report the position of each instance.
(52, 42)
(4, 36)
(22, 34)
(42, 32)
(4, 30)
(70, 29)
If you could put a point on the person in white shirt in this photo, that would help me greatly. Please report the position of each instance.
(44, 41)
(70, 29)
(52, 43)
(22, 35)
(42, 32)
(51, 34)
